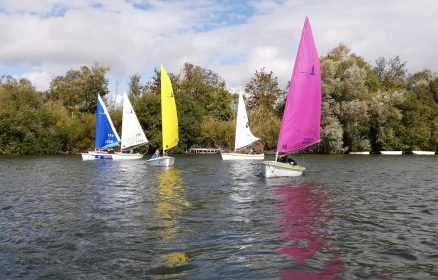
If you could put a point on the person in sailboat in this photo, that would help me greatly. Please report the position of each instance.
(285, 159)
(156, 154)
(252, 152)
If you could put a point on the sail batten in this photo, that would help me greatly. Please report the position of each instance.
(244, 136)
(132, 132)
(106, 134)
(300, 126)
(169, 117)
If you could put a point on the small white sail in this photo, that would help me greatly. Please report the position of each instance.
(244, 136)
(132, 133)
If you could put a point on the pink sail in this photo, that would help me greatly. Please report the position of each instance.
(300, 126)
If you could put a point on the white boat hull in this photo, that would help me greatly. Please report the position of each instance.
(428, 153)
(96, 155)
(359, 153)
(279, 169)
(126, 156)
(391, 152)
(162, 161)
(237, 156)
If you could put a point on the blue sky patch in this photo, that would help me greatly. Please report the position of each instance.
(58, 11)
(234, 59)
(14, 69)
(226, 13)
(143, 5)
(97, 6)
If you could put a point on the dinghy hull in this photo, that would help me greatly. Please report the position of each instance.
(279, 169)
(237, 156)
(423, 153)
(162, 161)
(96, 155)
(391, 152)
(124, 156)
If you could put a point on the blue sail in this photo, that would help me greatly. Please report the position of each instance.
(106, 135)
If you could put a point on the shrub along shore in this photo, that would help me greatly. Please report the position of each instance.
(366, 107)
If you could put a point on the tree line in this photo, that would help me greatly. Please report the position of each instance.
(365, 107)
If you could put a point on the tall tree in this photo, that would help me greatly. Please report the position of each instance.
(339, 52)
(392, 72)
(385, 120)
(135, 87)
(154, 85)
(78, 89)
(207, 89)
(346, 85)
(263, 90)
(26, 125)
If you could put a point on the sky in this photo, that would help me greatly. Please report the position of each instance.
(43, 39)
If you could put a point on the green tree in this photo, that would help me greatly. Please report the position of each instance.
(135, 87)
(347, 84)
(216, 133)
(419, 112)
(433, 88)
(148, 110)
(190, 117)
(78, 89)
(154, 85)
(265, 124)
(263, 90)
(26, 125)
(385, 115)
(392, 72)
(207, 89)
(331, 135)
(75, 131)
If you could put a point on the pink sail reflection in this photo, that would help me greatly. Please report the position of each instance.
(304, 225)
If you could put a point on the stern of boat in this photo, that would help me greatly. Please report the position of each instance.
(279, 169)
(87, 156)
(124, 156)
(162, 161)
(96, 155)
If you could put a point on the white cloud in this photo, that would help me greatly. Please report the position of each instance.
(39, 79)
(53, 36)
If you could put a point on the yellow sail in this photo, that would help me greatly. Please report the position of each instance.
(169, 118)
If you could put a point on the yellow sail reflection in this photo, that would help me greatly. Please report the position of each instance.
(169, 118)
(169, 207)
(174, 259)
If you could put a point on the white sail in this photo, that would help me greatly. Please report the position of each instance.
(244, 136)
(132, 133)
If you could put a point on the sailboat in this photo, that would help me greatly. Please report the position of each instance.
(169, 121)
(106, 134)
(300, 125)
(244, 136)
(132, 133)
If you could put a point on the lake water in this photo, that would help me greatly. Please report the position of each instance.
(348, 217)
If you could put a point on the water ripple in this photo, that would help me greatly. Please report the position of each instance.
(349, 217)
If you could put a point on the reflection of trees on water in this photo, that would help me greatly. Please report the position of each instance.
(169, 206)
(304, 224)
